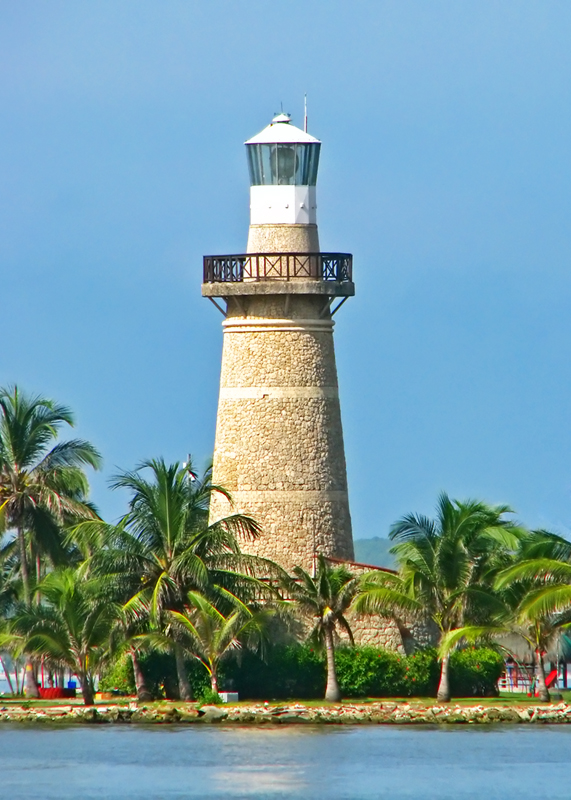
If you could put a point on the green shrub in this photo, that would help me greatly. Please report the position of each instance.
(288, 672)
(374, 672)
(474, 672)
(118, 676)
(210, 698)
(298, 671)
(161, 676)
(369, 672)
(291, 671)
(422, 673)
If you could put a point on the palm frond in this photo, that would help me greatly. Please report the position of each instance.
(471, 634)
(535, 569)
(545, 601)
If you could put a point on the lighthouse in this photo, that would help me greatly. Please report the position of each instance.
(279, 440)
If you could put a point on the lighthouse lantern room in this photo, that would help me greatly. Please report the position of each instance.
(283, 162)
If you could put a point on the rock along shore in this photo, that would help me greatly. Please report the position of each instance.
(296, 713)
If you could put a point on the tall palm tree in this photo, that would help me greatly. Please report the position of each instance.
(165, 547)
(73, 628)
(448, 564)
(128, 627)
(324, 600)
(536, 591)
(42, 482)
(10, 591)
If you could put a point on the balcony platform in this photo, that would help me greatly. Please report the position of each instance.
(325, 274)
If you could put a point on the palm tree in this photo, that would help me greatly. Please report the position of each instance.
(537, 592)
(534, 594)
(128, 627)
(165, 547)
(42, 483)
(447, 565)
(209, 636)
(10, 587)
(325, 599)
(92, 542)
(39, 483)
(72, 628)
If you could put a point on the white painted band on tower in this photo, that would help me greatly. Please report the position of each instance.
(279, 392)
(283, 205)
(250, 325)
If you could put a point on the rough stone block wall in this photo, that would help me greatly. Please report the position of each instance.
(283, 239)
(279, 440)
(403, 635)
(375, 631)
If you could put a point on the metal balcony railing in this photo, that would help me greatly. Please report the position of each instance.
(278, 267)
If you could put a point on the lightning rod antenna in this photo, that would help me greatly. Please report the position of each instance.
(305, 112)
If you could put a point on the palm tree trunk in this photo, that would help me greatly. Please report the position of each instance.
(183, 683)
(332, 691)
(24, 565)
(31, 686)
(542, 690)
(214, 681)
(38, 577)
(7, 674)
(143, 693)
(30, 680)
(86, 690)
(443, 694)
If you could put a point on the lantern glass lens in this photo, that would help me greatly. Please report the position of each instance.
(283, 164)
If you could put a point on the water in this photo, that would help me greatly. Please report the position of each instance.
(290, 762)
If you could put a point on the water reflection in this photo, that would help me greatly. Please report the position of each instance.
(264, 779)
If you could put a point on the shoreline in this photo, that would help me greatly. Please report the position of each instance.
(371, 713)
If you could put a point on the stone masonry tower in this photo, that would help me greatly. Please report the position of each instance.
(279, 442)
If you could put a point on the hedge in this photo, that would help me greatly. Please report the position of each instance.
(287, 672)
(160, 674)
(475, 672)
(299, 672)
(373, 672)
(118, 677)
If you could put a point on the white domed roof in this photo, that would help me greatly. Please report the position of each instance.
(280, 130)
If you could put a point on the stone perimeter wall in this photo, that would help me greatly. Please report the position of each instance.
(376, 713)
(279, 440)
(403, 636)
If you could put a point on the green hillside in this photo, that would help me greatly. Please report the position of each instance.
(374, 551)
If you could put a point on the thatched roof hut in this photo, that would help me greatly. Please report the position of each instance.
(517, 646)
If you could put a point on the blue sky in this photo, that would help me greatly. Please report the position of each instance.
(445, 170)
